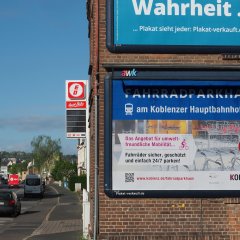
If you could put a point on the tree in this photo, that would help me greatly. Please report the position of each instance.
(18, 167)
(13, 169)
(64, 170)
(45, 152)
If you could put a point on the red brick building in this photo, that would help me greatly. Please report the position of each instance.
(175, 218)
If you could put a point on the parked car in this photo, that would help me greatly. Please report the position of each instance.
(10, 204)
(21, 184)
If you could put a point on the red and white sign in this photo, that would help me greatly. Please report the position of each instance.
(76, 104)
(76, 135)
(76, 96)
(76, 90)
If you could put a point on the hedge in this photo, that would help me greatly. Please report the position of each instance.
(77, 179)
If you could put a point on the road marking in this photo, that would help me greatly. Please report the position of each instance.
(47, 217)
(5, 220)
(58, 201)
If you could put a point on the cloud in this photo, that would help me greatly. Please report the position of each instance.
(33, 123)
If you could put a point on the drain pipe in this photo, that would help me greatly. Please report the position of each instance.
(96, 58)
(96, 171)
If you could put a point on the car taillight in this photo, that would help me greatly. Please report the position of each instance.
(11, 202)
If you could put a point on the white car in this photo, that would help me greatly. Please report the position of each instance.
(33, 185)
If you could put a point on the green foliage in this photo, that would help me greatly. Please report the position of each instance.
(13, 168)
(63, 169)
(77, 179)
(18, 167)
(40, 141)
(45, 152)
(83, 238)
(70, 158)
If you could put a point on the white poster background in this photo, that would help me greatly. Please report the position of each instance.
(157, 149)
(165, 180)
(163, 162)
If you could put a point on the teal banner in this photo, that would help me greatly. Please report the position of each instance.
(175, 23)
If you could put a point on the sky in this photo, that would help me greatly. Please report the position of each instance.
(43, 43)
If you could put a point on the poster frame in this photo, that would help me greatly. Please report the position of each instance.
(198, 76)
(167, 49)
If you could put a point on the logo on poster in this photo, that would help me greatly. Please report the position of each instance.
(128, 109)
(235, 177)
(129, 73)
(76, 90)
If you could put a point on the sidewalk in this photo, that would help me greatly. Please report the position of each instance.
(64, 221)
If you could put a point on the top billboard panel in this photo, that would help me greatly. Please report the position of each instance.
(173, 26)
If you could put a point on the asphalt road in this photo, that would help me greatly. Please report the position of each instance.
(57, 216)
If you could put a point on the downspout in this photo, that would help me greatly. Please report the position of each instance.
(96, 63)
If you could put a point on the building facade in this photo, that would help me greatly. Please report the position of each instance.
(154, 210)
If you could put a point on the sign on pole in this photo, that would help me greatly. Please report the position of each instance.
(76, 105)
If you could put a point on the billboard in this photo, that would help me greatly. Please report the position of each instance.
(172, 137)
(173, 26)
(76, 106)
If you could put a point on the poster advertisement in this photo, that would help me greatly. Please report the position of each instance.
(211, 23)
(174, 138)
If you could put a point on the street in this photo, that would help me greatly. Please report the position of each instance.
(57, 216)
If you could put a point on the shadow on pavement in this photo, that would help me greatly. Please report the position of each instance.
(53, 195)
(29, 212)
(34, 198)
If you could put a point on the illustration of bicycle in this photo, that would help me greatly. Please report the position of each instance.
(210, 164)
(184, 145)
(235, 160)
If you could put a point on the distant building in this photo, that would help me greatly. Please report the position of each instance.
(12, 160)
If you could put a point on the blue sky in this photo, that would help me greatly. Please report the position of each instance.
(42, 44)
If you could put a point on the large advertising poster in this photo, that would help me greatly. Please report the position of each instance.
(174, 138)
(173, 25)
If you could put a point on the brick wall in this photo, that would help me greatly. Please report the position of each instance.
(155, 218)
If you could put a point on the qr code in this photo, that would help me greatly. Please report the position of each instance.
(129, 177)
